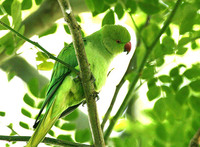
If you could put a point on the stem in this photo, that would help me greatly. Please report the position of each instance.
(85, 73)
(195, 141)
(40, 47)
(46, 140)
(132, 86)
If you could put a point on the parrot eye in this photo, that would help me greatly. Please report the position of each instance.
(118, 41)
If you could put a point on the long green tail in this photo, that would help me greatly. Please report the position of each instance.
(42, 129)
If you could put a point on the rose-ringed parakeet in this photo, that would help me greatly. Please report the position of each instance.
(65, 91)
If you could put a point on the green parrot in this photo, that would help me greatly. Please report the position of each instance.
(65, 92)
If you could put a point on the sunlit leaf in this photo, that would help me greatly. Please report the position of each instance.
(7, 6)
(72, 116)
(165, 78)
(26, 113)
(90, 5)
(67, 29)
(109, 18)
(41, 56)
(119, 10)
(2, 113)
(38, 2)
(68, 126)
(65, 137)
(28, 100)
(51, 133)
(195, 103)
(195, 85)
(192, 73)
(45, 66)
(131, 6)
(182, 94)
(153, 92)
(5, 20)
(26, 4)
(160, 109)
(161, 132)
(33, 86)
(51, 30)
(23, 125)
(16, 14)
(82, 135)
(148, 72)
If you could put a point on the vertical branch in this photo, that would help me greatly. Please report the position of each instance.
(195, 141)
(139, 70)
(85, 73)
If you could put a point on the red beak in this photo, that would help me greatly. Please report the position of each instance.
(127, 47)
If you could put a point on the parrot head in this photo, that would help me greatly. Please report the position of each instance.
(116, 39)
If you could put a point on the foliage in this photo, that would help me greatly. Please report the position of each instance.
(172, 87)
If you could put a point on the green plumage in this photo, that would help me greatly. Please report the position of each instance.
(65, 91)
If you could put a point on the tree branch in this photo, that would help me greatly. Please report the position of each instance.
(41, 48)
(46, 140)
(85, 73)
(21, 68)
(195, 141)
(139, 70)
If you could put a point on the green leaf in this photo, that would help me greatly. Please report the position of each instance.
(68, 126)
(82, 135)
(67, 29)
(183, 41)
(6, 21)
(28, 100)
(33, 86)
(16, 14)
(174, 72)
(161, 132)
(148, 72)
(41, 56)
(168, 90)
(182, 95)
(176, 82)
(65, 137)
(26, 113)
(11, 75)
(153, 92)
(2, 113)
(38, 2)
(149, 7)
(90, 5)
(98, 5)
(7, 6)
(110, 1)
(51, 133)
(26, 4)
(119, 10)
(51, 30)
(160, 109)
(192, 73)
(189, 14)
(195, 103)
(109, 18)
(131, 6)
(174, 107)
(149, 32)
(195, 85)
(23, 125)
(72, 116)
(164, 79)
(45, 66)
(182, 50)
(152, 82)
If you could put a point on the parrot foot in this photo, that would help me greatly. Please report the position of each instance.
(94, 95)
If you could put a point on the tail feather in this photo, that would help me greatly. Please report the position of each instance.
(42, 129)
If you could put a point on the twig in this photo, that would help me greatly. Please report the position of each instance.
(195, 141)
(46, 140)
(85, 73)
(40, 47)
(139, 70)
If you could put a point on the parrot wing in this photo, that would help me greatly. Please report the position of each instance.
(59, 73)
